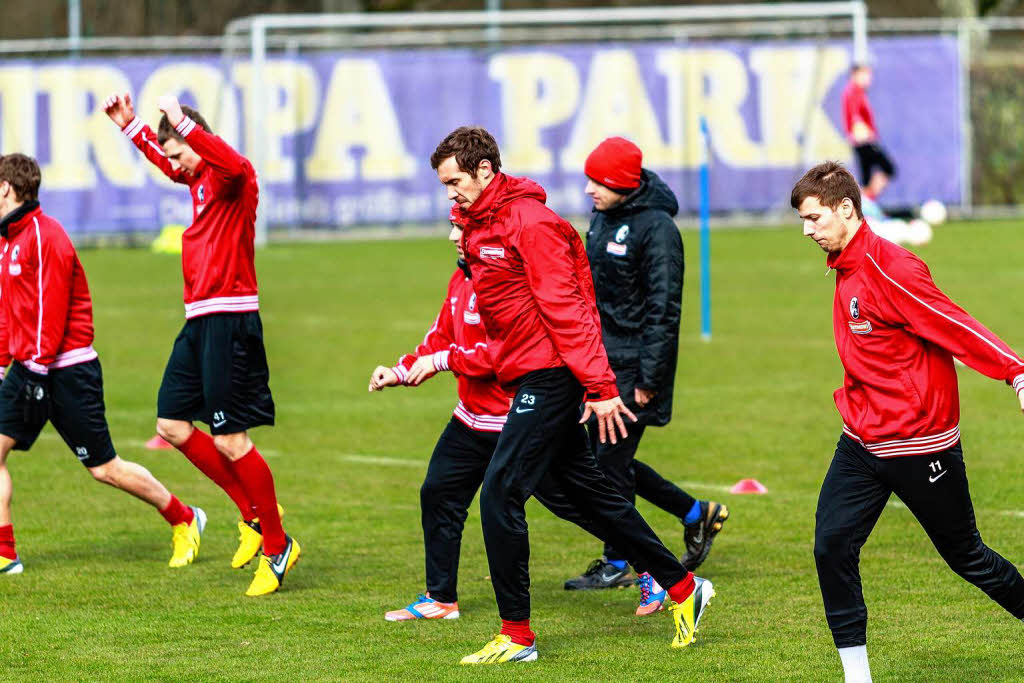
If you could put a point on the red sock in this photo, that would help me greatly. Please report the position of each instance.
(201, 452)
(681, 590)
(254, 473)
(7, 542)
(518, 631)
(175, 513)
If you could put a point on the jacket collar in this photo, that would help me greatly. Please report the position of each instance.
(485, 203)
(850, 258)
(16, 220)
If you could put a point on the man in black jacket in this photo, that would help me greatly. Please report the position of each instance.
(636, 257)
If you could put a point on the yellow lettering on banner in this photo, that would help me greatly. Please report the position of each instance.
(615, 102)
(77, 125)
(358, 113)
(291, 92)
(17, 110)
(212, 97)
(538, 90)
(710, 83)
(795, 128)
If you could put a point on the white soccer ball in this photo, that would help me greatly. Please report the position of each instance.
(918, 232)
(934, 212)
(892, 229)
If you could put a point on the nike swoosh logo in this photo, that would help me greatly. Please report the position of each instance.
(220, 424)
(936, 477)
(278, 567)
(525, 410)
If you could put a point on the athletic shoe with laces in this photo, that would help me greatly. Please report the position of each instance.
(9, 566)
(600, 574)
(186, 538)
(687, 614)
(271, 570)
(250, 539)
(425, 607)
(699, 535)
(652, 595)
(502, 649)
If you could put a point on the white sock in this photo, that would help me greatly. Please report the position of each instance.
(855, 664)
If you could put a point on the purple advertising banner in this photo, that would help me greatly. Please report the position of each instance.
(347, 136)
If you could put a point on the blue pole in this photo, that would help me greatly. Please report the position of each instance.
(705, 233)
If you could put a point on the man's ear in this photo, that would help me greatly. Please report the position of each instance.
(846, 207)
(484, 170)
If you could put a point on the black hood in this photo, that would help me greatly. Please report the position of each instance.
(653, 193)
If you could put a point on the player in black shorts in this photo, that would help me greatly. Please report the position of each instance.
(46, 336)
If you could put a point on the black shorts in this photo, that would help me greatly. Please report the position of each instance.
(76, 411)
(870, 157)
(218, 374)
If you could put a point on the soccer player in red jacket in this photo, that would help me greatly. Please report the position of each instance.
(876, 167)
(46, 330)
(536, 299)
(897, 335)
(217, 371)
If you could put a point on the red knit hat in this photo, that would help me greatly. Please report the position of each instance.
(457, 215)
(615, 163)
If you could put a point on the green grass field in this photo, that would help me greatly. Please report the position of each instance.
(97, 600)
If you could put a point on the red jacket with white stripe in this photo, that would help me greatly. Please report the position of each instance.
(536, 294)
(457, 341)
(45, 307)
(897, 334)
(217, 256)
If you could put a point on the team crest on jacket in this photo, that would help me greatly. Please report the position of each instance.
(621, 234)
(15, 267)
(854, 308)
(492, 252)
(472, 301)
(201, 194)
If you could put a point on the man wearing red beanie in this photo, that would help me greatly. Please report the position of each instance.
(636, 260)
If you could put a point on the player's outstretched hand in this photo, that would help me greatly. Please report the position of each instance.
(609, 418)
(383, 377)
(170, 106)
(422, 370)
(120, 109)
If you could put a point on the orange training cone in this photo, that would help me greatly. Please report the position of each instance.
(158, 444)
(748, 486)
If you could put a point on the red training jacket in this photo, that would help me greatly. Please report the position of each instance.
(533, 282)
(217, 256)
(457, 341)
(45, 307)
(897, 334)
(857, 108)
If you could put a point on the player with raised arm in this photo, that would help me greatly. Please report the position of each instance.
(897, 334)
(217, 371)
(46, 329)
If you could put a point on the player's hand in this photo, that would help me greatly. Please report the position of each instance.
(643, 396)
(170, 106)
(37, 399)
(422, 370)
(120, 109)
(609, 418)
(1020, 397)
(383, 377)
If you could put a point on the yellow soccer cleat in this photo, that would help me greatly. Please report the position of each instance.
(250, 538)
(9, 566)
(186, 539)
(502, 649)
(271, 570)
(687, 613)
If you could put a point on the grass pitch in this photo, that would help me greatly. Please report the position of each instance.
(97, 600)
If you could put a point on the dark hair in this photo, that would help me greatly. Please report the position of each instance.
(831, 183)
(166, 131)
(469, 145)
(22, 172)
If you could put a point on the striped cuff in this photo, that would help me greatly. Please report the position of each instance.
(402, 373)
(36, 367)
(2, 372)
(133, 128)
(185, 126)
(440, 360)
(1018, 383)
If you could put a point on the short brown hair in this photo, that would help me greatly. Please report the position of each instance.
(469, 145)
(22, 172)
(831, 183)
(166, 131)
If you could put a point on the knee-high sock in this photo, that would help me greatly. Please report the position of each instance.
(201, 452)
(7, 542)
(254, 473)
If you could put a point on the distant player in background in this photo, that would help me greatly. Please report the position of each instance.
(218, 370)
(636, 259)
(46, 329)
(876, 168)
(897, 335)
